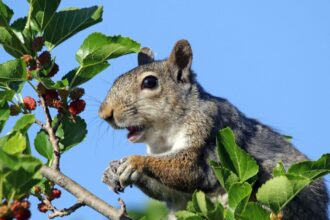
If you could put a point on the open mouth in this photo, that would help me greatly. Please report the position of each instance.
(135, 133)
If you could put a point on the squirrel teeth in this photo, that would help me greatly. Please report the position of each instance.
(135, 133)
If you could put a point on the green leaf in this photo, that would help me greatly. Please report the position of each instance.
(94, 53)
(217, 212)
(202, 204)
(12, 43)
(98, 48)
(279, 169)
(50, 84)
(186, 215)
(24, 123)
(43, 145)
(254, 211)
(312, 169)
(5, 14)
(13, 70)
(6, 96)
(15, 144)
(22, 176)
(69, 22)
(233, 157)
(71, 132)
(78, 76)
(4, 115)
(43, 12)
(226, 177)
(280, 190)
(238, 196)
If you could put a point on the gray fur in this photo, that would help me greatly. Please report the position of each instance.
(180, 101)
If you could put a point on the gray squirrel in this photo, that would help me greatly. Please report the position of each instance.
(162, 105)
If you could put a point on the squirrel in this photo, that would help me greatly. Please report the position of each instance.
(161, 104)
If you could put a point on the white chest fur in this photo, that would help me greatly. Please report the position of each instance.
(164, 141)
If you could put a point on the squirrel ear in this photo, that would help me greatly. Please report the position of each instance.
(145, 56)
(181, 56)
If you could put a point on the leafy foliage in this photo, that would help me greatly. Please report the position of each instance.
(236, 172)
(25, 39)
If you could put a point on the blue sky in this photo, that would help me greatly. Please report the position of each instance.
(269, 58)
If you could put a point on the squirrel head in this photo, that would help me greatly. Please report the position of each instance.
(150, 98)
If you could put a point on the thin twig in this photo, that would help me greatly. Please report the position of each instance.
(83, 195)
(52, 137)
(65, 212)
(38, 122)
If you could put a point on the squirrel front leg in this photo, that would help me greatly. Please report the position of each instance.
(183, 171)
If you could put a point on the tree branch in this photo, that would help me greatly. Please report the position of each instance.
(53, 139)
(84, 196)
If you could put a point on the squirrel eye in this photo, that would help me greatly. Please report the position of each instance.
(149, 82)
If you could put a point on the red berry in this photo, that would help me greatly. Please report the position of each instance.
(77, 106)
(44, 58)
(15, 206)
(29, 103)
(38, 43)
(42, 207)
(23, 214)
(56, 193)
(50, 96)
(77, 93)
(37, 189)
(53, 70)
(25, 204)
(57, 104)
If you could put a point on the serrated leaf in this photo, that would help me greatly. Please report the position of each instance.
(15, 144)
(69, 22)
(226, 177)
(233, 157)
(71, 132)
(24, 123)
(280, 190)
(6, 14)
(312, 169)
(43, 12)
(12, 43)
(43, 145)
(86, 73)
(186, 215)
(98, 48)
(13, 70)
(279, 169)
(238, 196)
(254, 211)
(22, 176)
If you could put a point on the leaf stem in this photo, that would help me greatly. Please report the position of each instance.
(75, 76)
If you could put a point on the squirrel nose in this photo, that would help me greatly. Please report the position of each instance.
(106, 113)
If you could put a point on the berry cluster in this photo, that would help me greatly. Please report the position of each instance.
(18, 209)
(42, 63)
(50, 195)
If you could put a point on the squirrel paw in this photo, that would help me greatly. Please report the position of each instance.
(111, 178)
(127, 172)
